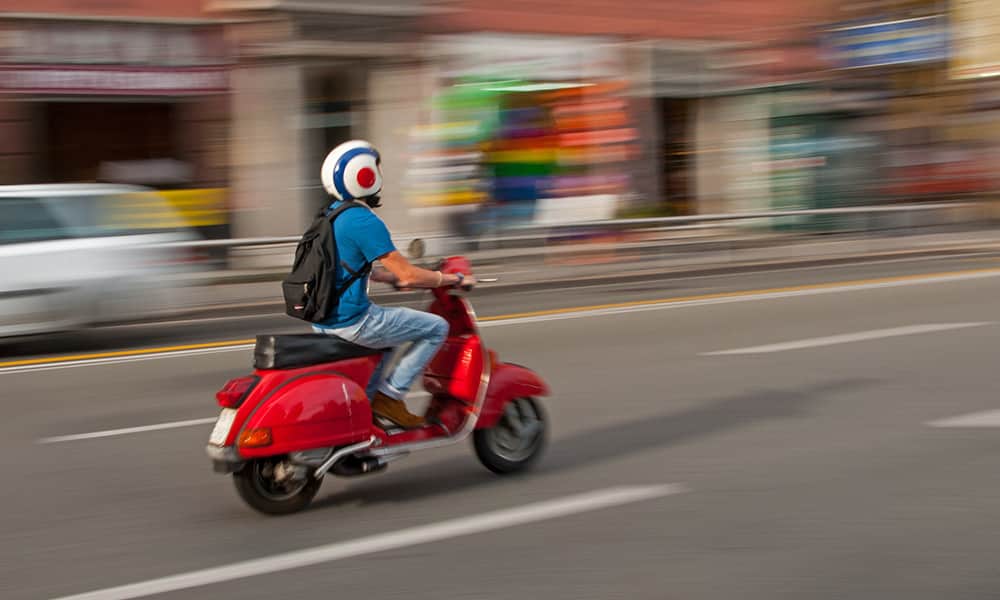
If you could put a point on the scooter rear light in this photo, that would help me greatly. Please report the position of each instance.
(255, 438)
(235, 391)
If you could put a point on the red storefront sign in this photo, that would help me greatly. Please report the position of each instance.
(154, 9)
(113, 59)
(34, 79)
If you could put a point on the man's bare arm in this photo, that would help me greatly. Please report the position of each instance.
(408, 275)
(383, 275)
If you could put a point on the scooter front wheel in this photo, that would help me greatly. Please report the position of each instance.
(516, 441)
(271, 486)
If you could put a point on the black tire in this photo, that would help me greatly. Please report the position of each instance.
(268, 496)
(502, 449)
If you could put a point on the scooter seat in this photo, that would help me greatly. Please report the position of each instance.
(292, 351)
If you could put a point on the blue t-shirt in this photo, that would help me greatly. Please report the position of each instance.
(361, 237)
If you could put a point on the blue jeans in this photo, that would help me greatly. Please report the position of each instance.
(392, 327)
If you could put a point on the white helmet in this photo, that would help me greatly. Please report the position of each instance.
(351, 171)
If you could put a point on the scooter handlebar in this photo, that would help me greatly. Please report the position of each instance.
(478, 281)
(463, 287)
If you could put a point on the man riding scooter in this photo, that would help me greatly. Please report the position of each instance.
(316, 404)
(351, 174)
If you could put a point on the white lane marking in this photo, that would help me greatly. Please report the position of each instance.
(988, 418)
(578, 314)
(749, 297)
(125, 431)
(159, 426)
(847, 338)
(500, 519)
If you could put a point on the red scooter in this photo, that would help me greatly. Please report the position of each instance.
(304, 412)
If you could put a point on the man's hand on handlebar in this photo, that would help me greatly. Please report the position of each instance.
(468, 282)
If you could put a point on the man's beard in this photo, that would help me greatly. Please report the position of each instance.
(373, 201)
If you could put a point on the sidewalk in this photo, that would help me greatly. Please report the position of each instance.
(216, 293)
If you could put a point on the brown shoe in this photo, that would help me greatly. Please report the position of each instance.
(395, 410)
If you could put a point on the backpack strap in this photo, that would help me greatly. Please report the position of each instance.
(355, 275)
(333, 214)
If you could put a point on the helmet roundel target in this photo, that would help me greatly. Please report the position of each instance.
(351, 171)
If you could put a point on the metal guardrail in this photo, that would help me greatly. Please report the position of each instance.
(687, 219)
(233, 242)
(543, 232)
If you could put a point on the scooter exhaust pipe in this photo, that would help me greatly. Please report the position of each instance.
(339, 455)
(352, 466)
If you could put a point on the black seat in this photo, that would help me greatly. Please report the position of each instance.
(302, 350)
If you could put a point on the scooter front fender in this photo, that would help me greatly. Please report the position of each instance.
(320, 409)
(508, 382)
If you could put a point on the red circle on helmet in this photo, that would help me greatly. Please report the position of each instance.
(366, 177)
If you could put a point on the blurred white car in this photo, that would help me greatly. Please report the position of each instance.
(84, 254)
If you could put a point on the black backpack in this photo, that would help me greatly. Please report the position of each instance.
(310, 289)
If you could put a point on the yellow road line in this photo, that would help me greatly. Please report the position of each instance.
(537, 313)
(121, 353)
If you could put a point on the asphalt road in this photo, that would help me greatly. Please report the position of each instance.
(793, 429)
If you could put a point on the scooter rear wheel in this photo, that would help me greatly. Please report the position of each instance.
(515, 443)
(259, 486)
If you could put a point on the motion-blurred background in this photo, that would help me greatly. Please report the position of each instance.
(752, 245)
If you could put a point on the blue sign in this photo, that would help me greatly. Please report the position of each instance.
(920, 40)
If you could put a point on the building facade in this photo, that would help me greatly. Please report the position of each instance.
(139, 95)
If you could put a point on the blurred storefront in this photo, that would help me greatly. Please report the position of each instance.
(699, 110)
(750, 127)
(523, 129)
(975, 68)
(117, 101)
(532, 129)
(820, 154)
(550, 129)
(488, 117)
(312, 74)
(685, 93)
(921, 58)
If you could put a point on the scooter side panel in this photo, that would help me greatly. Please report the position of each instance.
(316, 411)
(316, 407)
(270, 381)
(508, 382)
